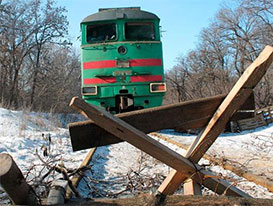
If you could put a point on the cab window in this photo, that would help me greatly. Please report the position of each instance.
(101, 32)
(138, 31)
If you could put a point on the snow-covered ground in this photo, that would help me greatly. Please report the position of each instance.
(26, 135)
(121, 169)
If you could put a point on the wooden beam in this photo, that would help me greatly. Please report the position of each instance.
(14, 183)
(192, 114)
(237, 96)
(149, 145)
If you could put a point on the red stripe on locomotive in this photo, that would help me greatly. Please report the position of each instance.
(145, 62)
(99, 64)
(105, 80)
(112, 63)
(146, 78)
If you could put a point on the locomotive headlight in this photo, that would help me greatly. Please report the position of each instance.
(122, 49)
(89, 90)
(157, 87)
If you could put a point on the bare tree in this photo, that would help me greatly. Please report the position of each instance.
(226, 47)
(51, 27)
(29, 30)
(16, 33)
(59, 79)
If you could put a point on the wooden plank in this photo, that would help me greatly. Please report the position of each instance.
(14, 183)
(237, 96)
(252, 123)
(76, 178)
(147, 144)
(192, 114)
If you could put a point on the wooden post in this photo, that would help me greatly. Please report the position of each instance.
(236, 97)
(149, 145)
(14, 183)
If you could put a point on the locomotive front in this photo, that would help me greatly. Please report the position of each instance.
(122, 68)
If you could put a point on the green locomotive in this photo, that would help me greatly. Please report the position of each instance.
(122, 65)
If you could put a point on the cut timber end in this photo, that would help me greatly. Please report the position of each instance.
(191, 187)
(14, 183)
(6, 163)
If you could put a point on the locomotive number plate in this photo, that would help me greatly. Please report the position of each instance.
(122, 63)
(122, 72)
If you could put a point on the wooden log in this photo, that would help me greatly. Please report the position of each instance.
(57, 192)
(14, 183)
(236, 97)
(157, 150)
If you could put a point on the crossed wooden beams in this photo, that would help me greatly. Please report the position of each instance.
(186, 166)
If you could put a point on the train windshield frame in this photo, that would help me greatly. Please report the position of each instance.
(102, 32)
(140, 31)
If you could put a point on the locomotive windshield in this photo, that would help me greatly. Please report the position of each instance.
(138, 31)
(101, 32)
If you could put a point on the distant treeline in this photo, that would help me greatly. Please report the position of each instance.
(40, 71)
(225, 48)
(38, 68)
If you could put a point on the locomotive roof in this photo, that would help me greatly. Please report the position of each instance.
(119, 13)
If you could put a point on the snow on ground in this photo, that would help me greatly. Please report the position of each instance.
(252, 149)
(24, 133)
(122, 169)
(121, 162)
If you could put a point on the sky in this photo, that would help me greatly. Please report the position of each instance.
(181, 20)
